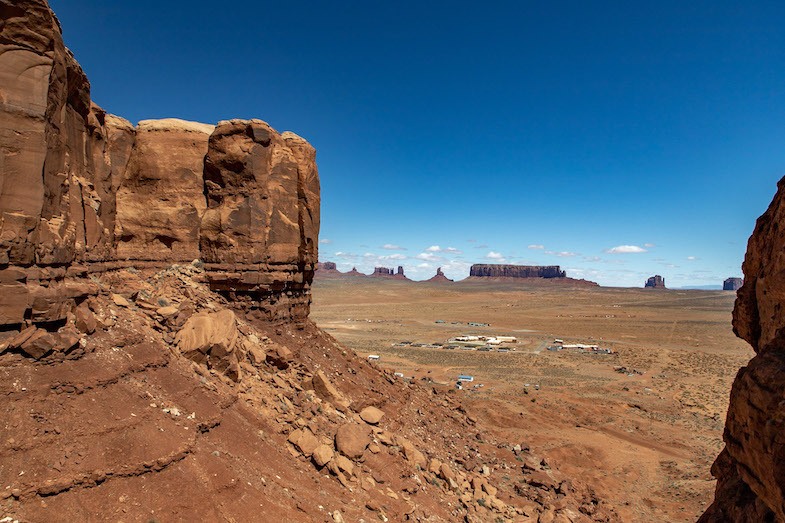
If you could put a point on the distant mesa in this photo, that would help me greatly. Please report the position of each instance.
(488, 270)
(329, 270)
(732, 284)
(439, 277)
(389, 272)
(326, 266)
(655, 282)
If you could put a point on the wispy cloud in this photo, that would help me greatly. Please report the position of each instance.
(325, 241)
(436, 248)
(562, 254)
(626, 249)
(495, 256)
(391, 247)
(536, 246)
(649, 245)
(428, 256)
(692, 258)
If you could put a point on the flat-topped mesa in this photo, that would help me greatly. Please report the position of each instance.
(326, 266)
(487, 270)
(84, 191)
(383, 271)
(388, 272)
(732, 284)
(655, 282)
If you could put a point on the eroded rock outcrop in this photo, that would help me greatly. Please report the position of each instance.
(750, 471)
(84, 192)
(655, 282)
(489, 270)
(439, 277)
(732, 284)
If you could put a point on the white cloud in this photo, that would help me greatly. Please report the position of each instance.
(395, 256)
(626, 249)
(494, 256)
(536, 246)
(562, 254)
(341, 254)
(434, 248)
(649, 245)
(692, 258)
(428, 256)
(325, 241)
(391, 247)
(453, 250)
(424, 265)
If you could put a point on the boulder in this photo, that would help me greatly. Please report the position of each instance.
(411, 453)
(305, 441)
(371, 415)
(325, 390)
(351, 440)
(279, 356)
(322, 455)
(344, 465)
(85, 320)
(211, 338)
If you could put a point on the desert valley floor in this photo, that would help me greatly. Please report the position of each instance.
(641, 425)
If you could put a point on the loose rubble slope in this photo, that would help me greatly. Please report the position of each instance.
(144, 419)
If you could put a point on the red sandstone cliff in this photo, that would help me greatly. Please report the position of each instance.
(84, 192)
(750, 471)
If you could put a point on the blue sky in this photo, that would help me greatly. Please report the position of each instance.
(616, 139)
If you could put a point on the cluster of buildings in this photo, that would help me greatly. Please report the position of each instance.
(580, 347)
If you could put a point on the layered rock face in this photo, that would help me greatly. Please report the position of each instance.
(732, 284)
(750, 471)
(82, 191)
(516, 271)
(655, 282)
(327, 266)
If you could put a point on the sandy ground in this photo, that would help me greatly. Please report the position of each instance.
(644, 441)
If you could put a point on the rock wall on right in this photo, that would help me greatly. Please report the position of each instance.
(750, 470)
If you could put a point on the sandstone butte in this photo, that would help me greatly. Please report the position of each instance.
(157, 362)
(140, 384)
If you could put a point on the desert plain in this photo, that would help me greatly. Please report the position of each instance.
(641, 425)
